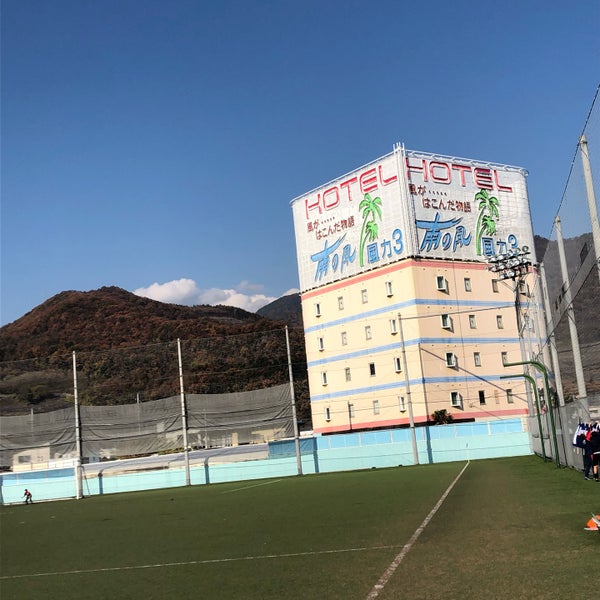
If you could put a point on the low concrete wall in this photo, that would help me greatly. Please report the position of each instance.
(321, 454)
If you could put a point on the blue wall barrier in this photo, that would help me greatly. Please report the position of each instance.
(320, 454)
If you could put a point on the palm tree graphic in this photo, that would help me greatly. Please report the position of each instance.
(371, 210)
(486, 223)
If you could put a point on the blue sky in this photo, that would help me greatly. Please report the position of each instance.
(156, 145)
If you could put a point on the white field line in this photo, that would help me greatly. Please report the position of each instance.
(195, 562)
(378, 587)
(247, 487)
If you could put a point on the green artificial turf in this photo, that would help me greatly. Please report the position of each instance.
(509, 528)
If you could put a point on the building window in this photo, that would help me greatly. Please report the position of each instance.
(375, 407)
(364, 296)
(472, 322)
(467, 284)
(393, 327)
(328, 414)
(388, 288)
(344, 338)
(341, 302)
(477, 359)
(504, 356)
(450, 359)
(481, 397)
(441, 283)
(351, 411)
(321, 343)
(456, 399)
(446, 321)
(368, 334)
(324, 377)
(499, 322)
(495, 286)
(397, 364)
(317, 310)
(509, 397)
(348, 376)
(372, 369)
(401, 404)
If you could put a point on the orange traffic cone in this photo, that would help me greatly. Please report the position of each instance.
(593, 524)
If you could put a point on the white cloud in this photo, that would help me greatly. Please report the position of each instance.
(178, 291)
(245, 295)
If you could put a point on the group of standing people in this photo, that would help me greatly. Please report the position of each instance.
(587, 437)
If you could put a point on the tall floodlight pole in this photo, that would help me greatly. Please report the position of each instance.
(577, 362)
(537, 404)
(293, 395)
(78, 483)
(186, 449)
(514, 265)
(591, 198)
(413, 434)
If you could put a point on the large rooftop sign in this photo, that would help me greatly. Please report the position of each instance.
(409, 204)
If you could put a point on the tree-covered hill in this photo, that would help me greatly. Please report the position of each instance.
(126, 346)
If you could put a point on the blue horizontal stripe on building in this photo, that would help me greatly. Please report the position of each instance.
(397, 346)
(401, 384)
(413, 302)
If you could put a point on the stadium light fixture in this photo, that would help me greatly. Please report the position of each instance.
(512, 264)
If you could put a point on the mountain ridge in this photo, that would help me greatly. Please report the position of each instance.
(35, 349)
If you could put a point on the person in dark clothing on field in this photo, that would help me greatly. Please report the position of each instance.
(595, 450)
(587, 457)
(28, 497)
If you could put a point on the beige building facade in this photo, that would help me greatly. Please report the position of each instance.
(418, 336)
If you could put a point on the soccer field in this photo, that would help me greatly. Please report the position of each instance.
(503, 528)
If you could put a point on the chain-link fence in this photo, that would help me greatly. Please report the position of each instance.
(570, 270)
(124, 402)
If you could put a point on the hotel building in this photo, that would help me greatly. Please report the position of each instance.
(402, 315)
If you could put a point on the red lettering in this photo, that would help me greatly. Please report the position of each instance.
(483, 178)
(462, 169)
(385, 181)
(312, 205)
(368, 181)
(435, 171)
(501, 188)
(433, 165)
(347, 184)
(331, 204)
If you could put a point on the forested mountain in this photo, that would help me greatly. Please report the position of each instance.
(584, 292)
(126, 346)
(287, 308)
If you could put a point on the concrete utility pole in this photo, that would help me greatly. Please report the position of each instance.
(78, 481)
(591, 198)
(292, 393)
(408, 396)
(551, 338)
(184, 427)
